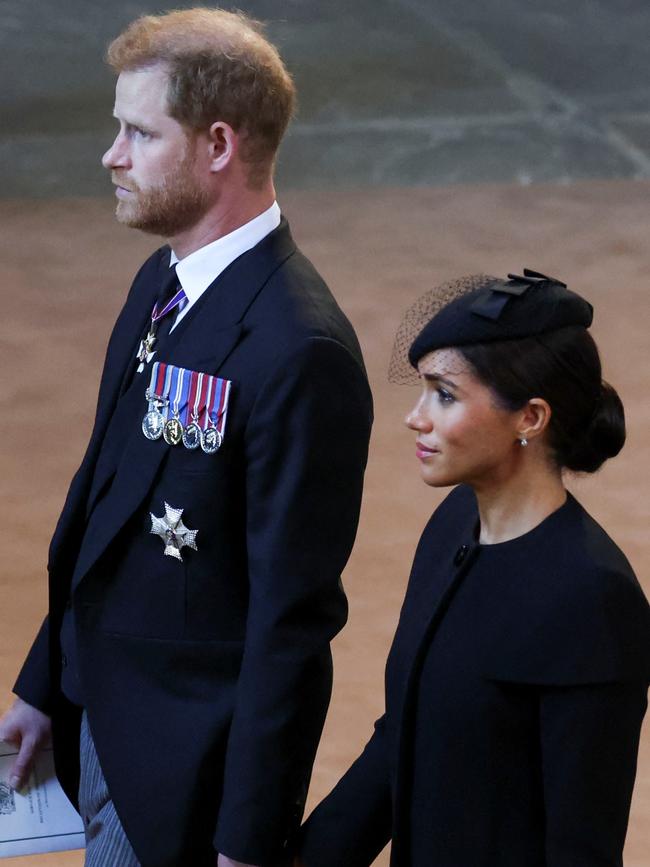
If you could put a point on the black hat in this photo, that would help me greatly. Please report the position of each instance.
(502, 310)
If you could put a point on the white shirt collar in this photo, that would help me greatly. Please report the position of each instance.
(198, 270)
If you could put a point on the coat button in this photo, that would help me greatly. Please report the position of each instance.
(461, 554)
(64, 660)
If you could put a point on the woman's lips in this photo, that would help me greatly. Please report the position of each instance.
(423, 451)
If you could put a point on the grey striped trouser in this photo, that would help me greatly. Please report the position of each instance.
(106, 842)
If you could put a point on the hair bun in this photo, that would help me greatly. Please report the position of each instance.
(603, 437)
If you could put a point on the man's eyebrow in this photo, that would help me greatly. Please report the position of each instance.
(131, 124)
(435, 377)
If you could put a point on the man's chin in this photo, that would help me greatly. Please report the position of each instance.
(124, 213)
(129, 216)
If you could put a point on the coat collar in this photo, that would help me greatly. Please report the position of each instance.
(218, 314)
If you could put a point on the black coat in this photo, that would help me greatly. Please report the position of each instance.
(515, 691)
(206, 682)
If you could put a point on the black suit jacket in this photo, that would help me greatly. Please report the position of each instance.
(207, 681)
(515, 691)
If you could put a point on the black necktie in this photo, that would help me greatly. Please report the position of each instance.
(168, 288)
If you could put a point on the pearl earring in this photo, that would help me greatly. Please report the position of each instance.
(523, 441)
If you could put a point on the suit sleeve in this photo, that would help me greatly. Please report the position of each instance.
(589, 739)
(351, 826)
(33, 684)
(306, 450)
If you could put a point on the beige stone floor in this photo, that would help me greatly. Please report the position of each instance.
(66, 266)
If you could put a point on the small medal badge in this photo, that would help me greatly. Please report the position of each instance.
(146, 351)
(196, 403)
(173, 532)
(146, 347)
(154, 421)
(178, 386)
(216, 409)
(173, 432)
(153, 424)
(192, 436)
(211, 440)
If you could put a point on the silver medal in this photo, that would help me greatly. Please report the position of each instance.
(154, 421)
(211, 440)
(153, 424)
(192, 436)
(173, 532)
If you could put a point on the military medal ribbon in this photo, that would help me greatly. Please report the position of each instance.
(154, 420)
(215, 415)
(186, 406)
(179, 387)
(196, 402)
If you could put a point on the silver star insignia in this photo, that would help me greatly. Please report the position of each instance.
(145, 353)
(173, 531)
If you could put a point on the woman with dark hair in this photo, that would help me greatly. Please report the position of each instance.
(516, 684)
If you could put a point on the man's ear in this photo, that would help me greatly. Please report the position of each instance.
(223, 143)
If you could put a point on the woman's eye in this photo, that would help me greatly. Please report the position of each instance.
(445, 396)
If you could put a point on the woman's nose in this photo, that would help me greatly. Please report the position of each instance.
(417, 420)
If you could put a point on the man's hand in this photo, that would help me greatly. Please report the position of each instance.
(223, 861)
(29, 729)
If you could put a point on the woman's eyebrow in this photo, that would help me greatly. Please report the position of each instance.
(436, 377)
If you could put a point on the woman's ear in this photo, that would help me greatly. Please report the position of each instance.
(533, 419)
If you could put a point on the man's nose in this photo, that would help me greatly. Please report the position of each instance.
(117, 155)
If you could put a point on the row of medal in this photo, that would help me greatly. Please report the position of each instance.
(186, 406)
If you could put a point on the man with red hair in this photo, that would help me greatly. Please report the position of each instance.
(184, 667)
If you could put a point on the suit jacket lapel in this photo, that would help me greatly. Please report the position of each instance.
(124, 341)
(121, 348)
(205, 338)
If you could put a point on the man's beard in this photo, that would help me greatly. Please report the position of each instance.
(172, 207)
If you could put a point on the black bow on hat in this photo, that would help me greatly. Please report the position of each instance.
(532, 278)
(491, 303)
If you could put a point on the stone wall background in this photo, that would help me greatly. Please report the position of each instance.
(413, 92)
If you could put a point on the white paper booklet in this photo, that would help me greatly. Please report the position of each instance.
(38, 818)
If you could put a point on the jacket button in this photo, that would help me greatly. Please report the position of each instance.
(64, 660)
(461, 554)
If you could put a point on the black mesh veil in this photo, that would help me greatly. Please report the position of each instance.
(417, 316)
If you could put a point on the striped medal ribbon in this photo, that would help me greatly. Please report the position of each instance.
(196, 402)
(154, 420)
(179, 387)
(215, 415)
